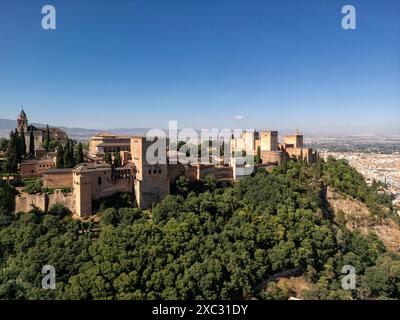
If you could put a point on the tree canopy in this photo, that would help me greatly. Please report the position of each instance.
(200, 243)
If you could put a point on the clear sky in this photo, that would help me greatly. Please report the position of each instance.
(205, 63)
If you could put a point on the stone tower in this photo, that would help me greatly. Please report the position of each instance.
(22, 121)
(152, 180)
(82, 190)
(295, 140)
(269, 140)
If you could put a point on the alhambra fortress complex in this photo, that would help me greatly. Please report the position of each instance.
(76, 188)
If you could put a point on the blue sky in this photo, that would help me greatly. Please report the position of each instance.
(139, 63)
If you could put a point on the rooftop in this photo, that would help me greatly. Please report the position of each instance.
(105, 134)
(57, 170)
(115, 144)
(22, 114)
(110, 135)
(86, 167)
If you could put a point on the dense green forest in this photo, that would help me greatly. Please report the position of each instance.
(204, 241)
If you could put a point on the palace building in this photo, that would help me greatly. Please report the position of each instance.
(269, 148)
(148, 179)
(106, 142)
(39, 133)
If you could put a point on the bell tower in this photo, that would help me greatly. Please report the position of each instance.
(22, 121)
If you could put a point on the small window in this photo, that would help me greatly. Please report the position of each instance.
(99, 181)
(159, 171)
(149, 171)
(154, 171)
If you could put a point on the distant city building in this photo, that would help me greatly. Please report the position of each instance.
(384, 168)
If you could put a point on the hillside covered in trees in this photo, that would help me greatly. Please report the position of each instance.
(205, 242)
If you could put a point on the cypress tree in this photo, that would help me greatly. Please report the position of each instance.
(67, 155)
(31, 143)
(46, 143)
(18, 146)
(301, 156)
(374, 185)
(258, 156)
(72, 158)
(79, 154)
(222, 149)
(11, 165)
(318, 169)
(60, 157)
(23, 143)
(117, 160)
(107, 158)
(285, 162)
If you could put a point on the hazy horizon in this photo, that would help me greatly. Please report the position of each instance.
(280, 129)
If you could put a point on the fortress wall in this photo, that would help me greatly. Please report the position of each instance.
(224, 172)
(151, 191)
(176, 170)
(58, 179)
(307, 153)
(217, 172)
(120, 186)
(67, 200)
(268, 157)
(24, 202)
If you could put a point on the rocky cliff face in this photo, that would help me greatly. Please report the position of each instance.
(357, 216)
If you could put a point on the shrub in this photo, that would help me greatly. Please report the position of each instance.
(33, 187)
(59, 210)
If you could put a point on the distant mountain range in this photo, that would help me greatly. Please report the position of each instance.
(82, 134)
(6, 125)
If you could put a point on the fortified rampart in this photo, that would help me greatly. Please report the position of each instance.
(25, 202)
